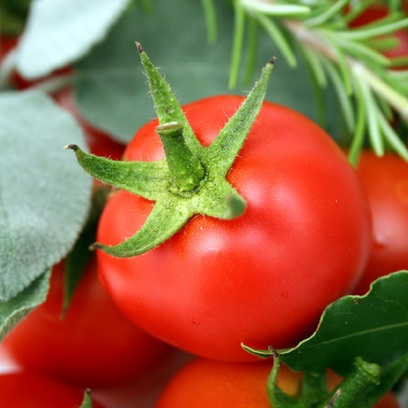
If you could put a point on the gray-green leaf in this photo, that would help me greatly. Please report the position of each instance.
(15, 309)
(59, 32)
(44, 194)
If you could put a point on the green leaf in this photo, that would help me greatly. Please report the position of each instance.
(44, 195)
(16, 308)
(59, 32)
(373, 327)
(77, 260)
(111, 90)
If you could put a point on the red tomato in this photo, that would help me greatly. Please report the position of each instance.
(93, 345)
(30, 390)
(263, 278)
(385, 180)
(205, 383)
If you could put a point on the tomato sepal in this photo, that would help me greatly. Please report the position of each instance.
(192, 178)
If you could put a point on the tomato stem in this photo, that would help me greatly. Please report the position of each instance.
(351, 390)
(187, 174)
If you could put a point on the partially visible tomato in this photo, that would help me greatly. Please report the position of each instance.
(99, 142)
(31, 390)
(385, 180)
(262, 278)
(204, 383)
(92, 345)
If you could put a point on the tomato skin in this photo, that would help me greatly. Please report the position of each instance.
(93, 345)
(263, 278)
(206, 383)
(31, 390)
(385, 180)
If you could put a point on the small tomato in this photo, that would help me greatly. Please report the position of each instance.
(92, 345)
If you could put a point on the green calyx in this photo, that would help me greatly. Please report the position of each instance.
(191, 179)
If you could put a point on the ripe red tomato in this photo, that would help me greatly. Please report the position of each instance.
(263, 278)
(31, 390)
(93, 345)
(385, 180)
(206, 383)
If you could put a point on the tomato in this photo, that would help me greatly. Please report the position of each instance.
(206, 383)
(385, 180)
(263, 278)
(31, 390)
(92, 345)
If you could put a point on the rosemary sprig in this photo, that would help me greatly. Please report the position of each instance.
(369, 88)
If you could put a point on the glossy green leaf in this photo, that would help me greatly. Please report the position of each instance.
(59, 32)
(16, 308)
(44, 195)
(373, 326)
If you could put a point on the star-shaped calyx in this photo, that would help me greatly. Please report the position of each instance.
(191, 179)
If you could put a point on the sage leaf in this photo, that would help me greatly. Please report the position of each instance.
(18, 307)
(44, 194)
(59, 32)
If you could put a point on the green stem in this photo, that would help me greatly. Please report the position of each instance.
(394, 98)
(186, 172)
(210, 19)
(352, 389)
(239, 29)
